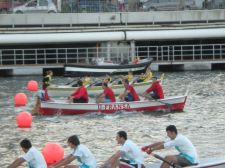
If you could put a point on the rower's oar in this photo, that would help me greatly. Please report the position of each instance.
(158, 100)
(91, 84)
(72, 81)
(115, 79)
(172, 164)
(134, 80)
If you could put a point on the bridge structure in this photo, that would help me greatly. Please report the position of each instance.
(176, 40)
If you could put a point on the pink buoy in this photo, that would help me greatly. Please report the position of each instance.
(32, 86)
(20, 99)
(52, 152)
(24, 120)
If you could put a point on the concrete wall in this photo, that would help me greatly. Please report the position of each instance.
(188, 66)
(76, 19)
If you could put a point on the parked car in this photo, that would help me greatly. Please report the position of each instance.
(5, 6)
(33, 6)
(153, 5)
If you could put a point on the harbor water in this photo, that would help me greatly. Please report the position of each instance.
(202, 121)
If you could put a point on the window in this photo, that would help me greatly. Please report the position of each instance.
(32, 4)
(43, 3)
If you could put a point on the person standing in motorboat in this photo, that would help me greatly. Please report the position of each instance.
(187, 153)
(129, 155)
(42, 95)
(80, 152)
(47, 79)
(107, 95)
(80, 95)
(46, 83)
(129, 93)
(136, 60)
(155, 90)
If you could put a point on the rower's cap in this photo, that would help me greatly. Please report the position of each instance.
(154, 77)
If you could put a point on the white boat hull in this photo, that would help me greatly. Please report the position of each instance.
(175, 103)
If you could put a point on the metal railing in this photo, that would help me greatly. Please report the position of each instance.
(184, 52)
(172, 53)
(86, 6)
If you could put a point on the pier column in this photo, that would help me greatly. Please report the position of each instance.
(108, 51)
(59, 5)
(133, 53)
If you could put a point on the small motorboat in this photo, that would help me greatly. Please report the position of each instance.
(79, 70)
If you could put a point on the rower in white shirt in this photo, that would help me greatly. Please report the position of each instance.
(129, 154)
(79, 152)
(187, 153)
(34, 158)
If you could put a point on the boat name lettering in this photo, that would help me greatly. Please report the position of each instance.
(113, 106)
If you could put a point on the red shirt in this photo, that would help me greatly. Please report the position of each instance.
(157, 88)
(108, 92)
(80, 93)
(133, 92)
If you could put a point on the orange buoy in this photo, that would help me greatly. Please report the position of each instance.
(52, 152)
(32, 86)
(20, 99)
(24, 120)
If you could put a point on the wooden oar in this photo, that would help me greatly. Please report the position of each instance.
(91, 84)
(134, 80)
(172, 164)
(113, 80)
(72, 81)
(158, 100)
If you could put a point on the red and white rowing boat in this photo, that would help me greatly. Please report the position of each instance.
(203, 163)
(173, 103)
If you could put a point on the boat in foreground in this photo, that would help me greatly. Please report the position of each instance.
(78, 70)
(66, 90)
(63, 107)
(204, 163)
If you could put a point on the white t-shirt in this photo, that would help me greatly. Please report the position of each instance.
(34, 158)
(132, 152)
(184, 146)
(84, 156)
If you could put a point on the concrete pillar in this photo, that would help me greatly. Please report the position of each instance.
(59, 5)
(133, 53)
(108, 51)
(182, 4)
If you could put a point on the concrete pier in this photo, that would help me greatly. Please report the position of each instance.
(188, 66)
(192, 40)
(30, 70)
(58, 70)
